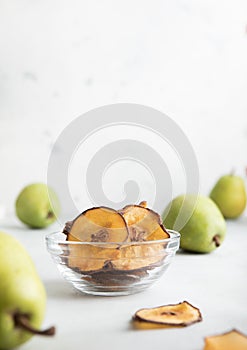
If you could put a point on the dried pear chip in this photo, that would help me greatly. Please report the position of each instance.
(97, 225)
(233, 340)
(134, 257)
(114, 278)
(89, 258)
(182, 314)
(143, 224)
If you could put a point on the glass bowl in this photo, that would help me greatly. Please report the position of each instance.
(102, 268)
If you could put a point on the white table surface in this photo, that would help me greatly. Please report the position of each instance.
(216, 283)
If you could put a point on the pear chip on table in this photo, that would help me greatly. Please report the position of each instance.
(181, 314)
(232, 340)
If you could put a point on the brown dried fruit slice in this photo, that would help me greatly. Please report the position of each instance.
(89, 258)
(115, 278)
(227, 341)
(143, 223)
(182, 314)
(94, 225)
(97, 225)
(134, 257)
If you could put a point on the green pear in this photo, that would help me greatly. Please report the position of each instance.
(22, 295)
(204, 226)
(229, 194)
(37, 205)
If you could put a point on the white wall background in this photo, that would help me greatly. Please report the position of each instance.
(60, 59)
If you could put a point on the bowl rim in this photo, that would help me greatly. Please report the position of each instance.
(50, 238)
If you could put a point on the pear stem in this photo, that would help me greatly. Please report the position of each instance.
(49, 215)
(143, 204)
(233, 171)
(22, 321)
(216, 240)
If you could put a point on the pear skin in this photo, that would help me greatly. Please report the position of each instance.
(34, 207)
(229, 194)
(205, 228)
(22, 294)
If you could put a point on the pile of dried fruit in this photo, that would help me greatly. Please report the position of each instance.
(118, 246)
